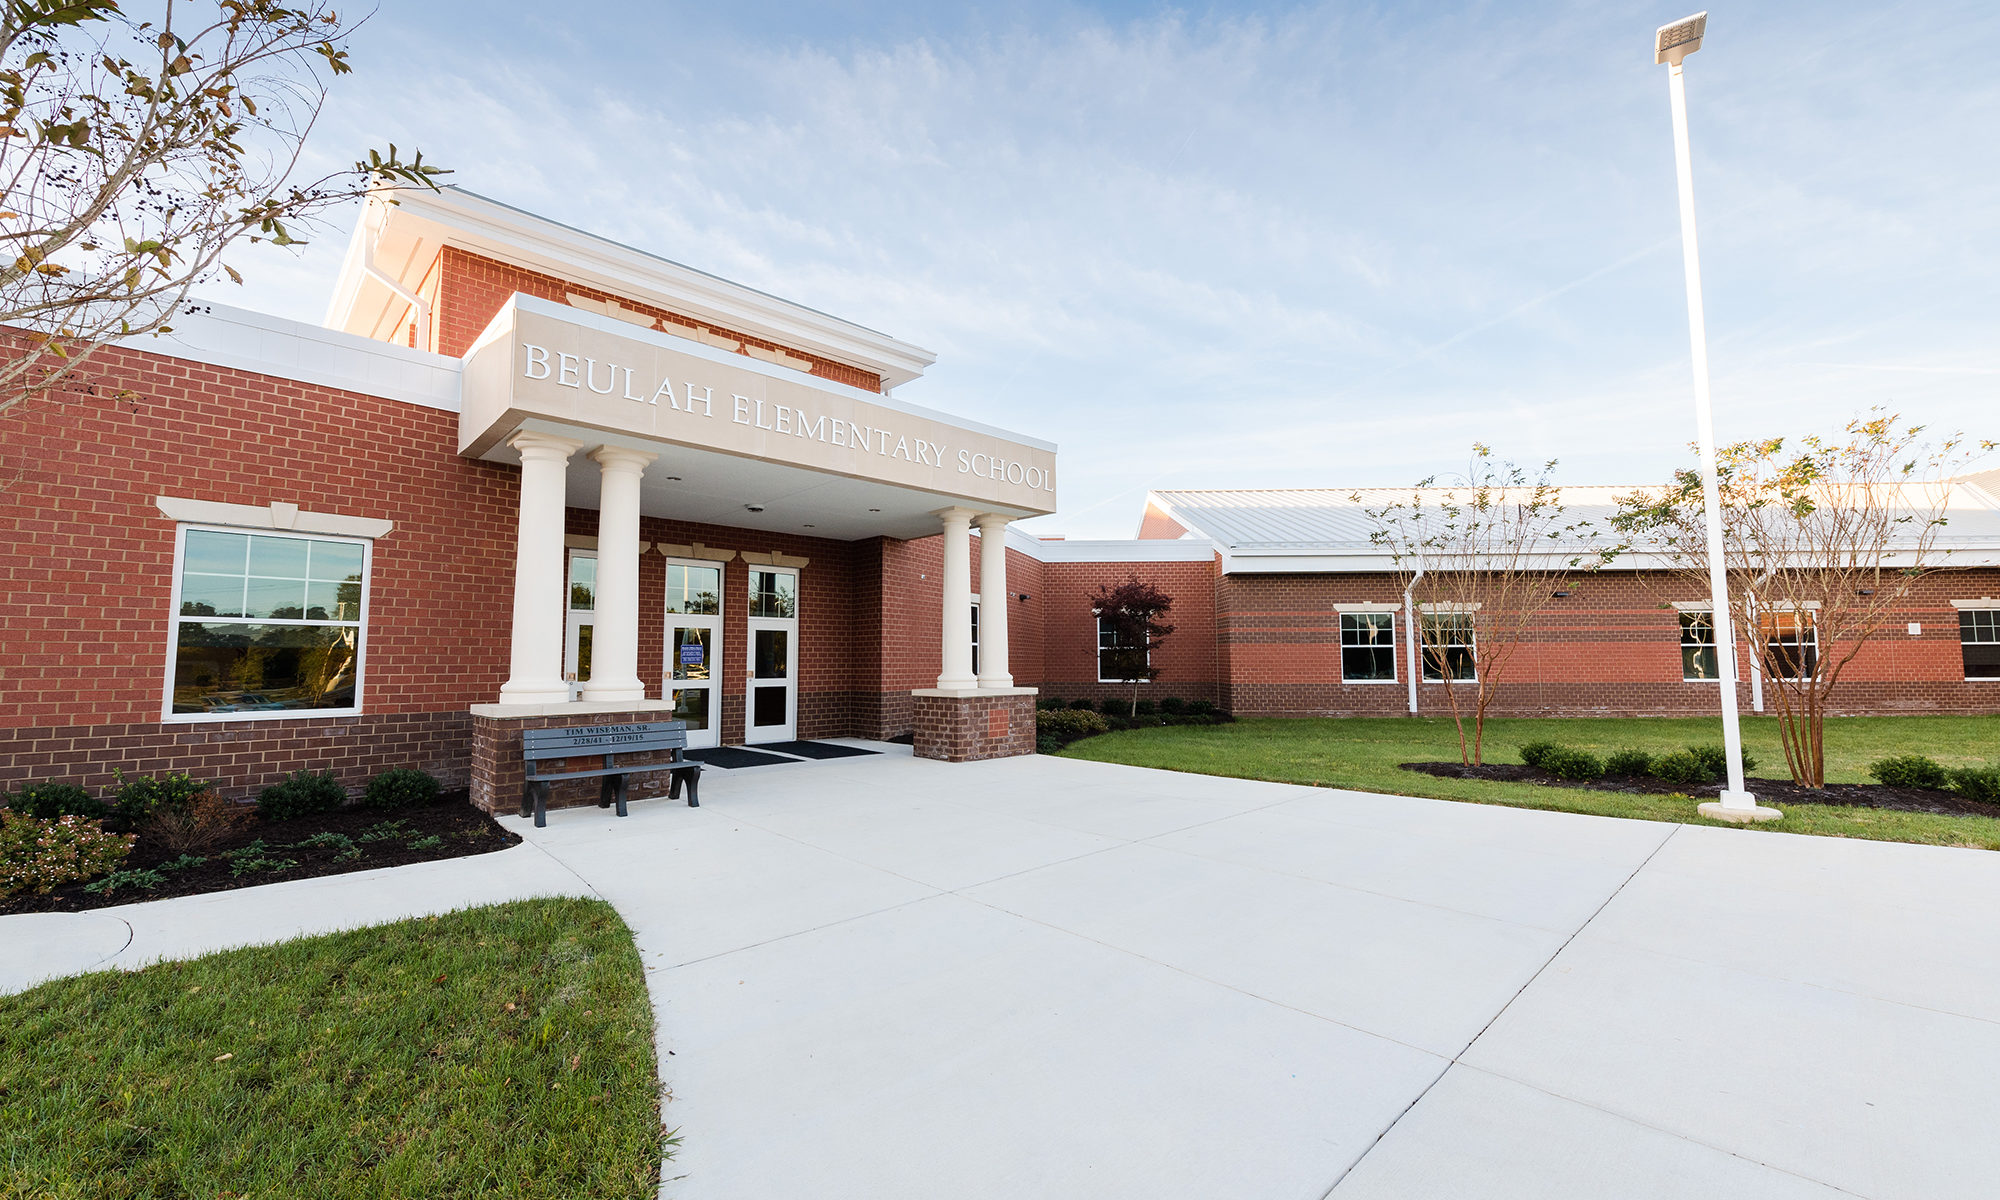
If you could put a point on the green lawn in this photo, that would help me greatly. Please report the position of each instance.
(504, 1051)
(1363, 753)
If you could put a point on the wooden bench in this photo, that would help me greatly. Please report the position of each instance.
(540, 746)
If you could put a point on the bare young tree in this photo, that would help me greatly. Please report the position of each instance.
(1132, 610)
(136, 153)
(1821, 546)
(1480, 557)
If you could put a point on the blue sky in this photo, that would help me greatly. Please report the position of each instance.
(1268, 245)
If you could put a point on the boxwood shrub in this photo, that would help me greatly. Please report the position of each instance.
(1070, 724)
(1628, 762)
(401, 787)
(1682, 768)
(140, 796)
(57, 800)
(1911, 771)
(1533, 753)
(1565, 763)
(299, 794)
(1977, 783)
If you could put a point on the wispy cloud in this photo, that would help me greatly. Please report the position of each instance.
(1304, 245)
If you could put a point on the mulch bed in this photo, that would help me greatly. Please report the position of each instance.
(1775, 791)
(373, 838)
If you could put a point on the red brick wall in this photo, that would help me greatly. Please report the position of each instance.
(1613, 647)
(1187, 659)
(471, 288)
(86, 562)
(968, 728)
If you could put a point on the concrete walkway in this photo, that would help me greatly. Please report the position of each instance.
(883, 977)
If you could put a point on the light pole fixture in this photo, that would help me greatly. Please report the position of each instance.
(1671, 44)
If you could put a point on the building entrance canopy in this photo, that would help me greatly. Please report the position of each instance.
(740, 442)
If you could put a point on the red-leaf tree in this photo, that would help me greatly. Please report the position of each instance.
(1132, 610)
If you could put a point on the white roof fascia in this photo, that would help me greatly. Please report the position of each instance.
(456, 217)
(223, 336)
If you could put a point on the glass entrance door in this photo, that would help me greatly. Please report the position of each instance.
(771, 711)
(694, 648)
(581, 608)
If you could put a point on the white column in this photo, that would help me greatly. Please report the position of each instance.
(993, 602)
(535, 652)
(956, 666)
(614, 644)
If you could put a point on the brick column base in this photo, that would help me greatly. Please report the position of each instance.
(498, 770)
(962, 726)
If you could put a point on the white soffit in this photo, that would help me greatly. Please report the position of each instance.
(422, 223)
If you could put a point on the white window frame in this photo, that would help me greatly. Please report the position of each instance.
(1423, 643)
(1395, 655)
(1985, 606)
(975, 634)
(1099, 649)
(1714, 644)
(174, 620)
(574, 618)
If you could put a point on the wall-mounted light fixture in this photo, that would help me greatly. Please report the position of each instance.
(1023, 597)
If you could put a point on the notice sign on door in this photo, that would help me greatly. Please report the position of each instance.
(693, 654)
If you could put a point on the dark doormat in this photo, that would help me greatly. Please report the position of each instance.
(818, 749)
(731, 757)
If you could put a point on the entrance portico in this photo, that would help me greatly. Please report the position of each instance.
(682, 432)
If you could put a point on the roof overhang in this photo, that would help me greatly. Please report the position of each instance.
(408, 233)
(741, 442)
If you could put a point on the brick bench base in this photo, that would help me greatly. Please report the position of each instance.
(498, 770)
(963, 726)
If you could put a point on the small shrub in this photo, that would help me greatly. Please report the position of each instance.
(39, 855)
(1715, 760)
(140, 796)
(1200, 708)
(401, 787)
(1533, 753)
(1143, 708)
(300, 794)
(1682, 768)
(1047, 744)
(427, 843)
(339, 845)
(183, 863)
(382, 831)
(1910, 770)
(250, 866)
(1070, 724)
(122, 881)
(1047, 703)
(50, 800)
(1564, 763)
(1977, 783)
(202, 824)
(1628, 762)
(1082, 706)
(1173, 706)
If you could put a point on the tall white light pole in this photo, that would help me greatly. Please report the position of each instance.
(1671, 44)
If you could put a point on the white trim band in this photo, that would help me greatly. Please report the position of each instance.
(276, 515)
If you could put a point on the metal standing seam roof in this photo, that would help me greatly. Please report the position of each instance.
(1335, 521)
